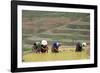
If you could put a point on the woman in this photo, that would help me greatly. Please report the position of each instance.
(78, 47)
(55, 47)
(36, 47)
(44, 47)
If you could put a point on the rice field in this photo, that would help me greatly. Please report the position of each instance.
(69, 54)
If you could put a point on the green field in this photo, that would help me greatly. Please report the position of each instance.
(70, 54)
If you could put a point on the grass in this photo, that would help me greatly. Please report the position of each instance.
(77, 32)
(75, 26)
(67, 55)
(65, 36)
(38, 14)
(27, 49)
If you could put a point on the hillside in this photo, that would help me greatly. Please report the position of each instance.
(62, 26)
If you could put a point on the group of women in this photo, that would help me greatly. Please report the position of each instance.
(42, 47)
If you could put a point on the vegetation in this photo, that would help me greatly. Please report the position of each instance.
(66, 27)
(70, 54)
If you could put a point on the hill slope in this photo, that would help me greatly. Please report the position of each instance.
(62, 26)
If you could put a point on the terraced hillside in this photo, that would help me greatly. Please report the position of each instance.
(62, 26)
